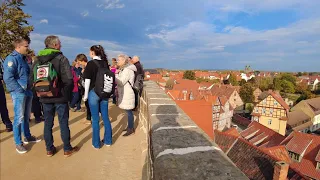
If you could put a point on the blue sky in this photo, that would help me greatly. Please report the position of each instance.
(274, 35)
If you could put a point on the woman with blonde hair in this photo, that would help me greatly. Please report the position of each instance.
(126, 96)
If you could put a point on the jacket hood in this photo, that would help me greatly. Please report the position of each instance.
(131, 67)
(47, 55)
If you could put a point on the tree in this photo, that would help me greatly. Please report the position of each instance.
(233, 80)
(305, 95)
(301, 87)
(13, 24)
(288, 77)
(246, 93)
(169, 84)
(287, 86)
(242, 82)
(265, 84)
(299, 74)
(277, 84)
(253, 81)
(189, 75)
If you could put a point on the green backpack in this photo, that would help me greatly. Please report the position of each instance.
(45, 80)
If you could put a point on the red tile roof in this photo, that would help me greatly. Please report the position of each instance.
(273, 138)
(280, 152)
(318, 157)
(200, 112)
(298, 144)
(253, 162)
(224, 140)
(307, 165)
(174, 94)
(232, 131)
(278, 98)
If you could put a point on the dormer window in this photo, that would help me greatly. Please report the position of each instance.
(294, 156)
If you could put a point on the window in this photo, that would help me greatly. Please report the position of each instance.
(294, 156)
(318, 165)
(263, 110)
(257, 110)
(271, 111)
(264, 101)
(275, 103)
(269, 122)
(255, 118)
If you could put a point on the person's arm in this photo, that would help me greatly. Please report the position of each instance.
(66, 77)
(86, 89)
(88, 75)
(124, 78)
(10, 69)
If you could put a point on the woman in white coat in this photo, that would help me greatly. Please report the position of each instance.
(126, 97)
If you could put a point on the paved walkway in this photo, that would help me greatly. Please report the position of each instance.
(123, 160)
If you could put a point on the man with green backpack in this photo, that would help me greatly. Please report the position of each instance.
(53, 83)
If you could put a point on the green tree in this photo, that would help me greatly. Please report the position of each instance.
(288, 77)
(233, 80)
(246, 93)
(265, 84)
(299, 74)
(13, 24)
(287, 86)
(189, 75)
(277, 84)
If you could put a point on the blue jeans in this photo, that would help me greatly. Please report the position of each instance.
(22, 108)
(3, 108)
(94, 102)
(130, 119)
(76, 100)
(49, 111)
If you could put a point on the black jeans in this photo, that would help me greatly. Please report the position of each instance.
(36, 107)
(88, 111)
(63, 117)
(3, 108)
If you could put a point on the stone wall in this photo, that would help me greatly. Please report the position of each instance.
(178, 148)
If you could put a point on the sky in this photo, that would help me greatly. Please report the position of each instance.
(269, 35)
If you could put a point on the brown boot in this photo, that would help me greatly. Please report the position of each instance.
(72, 151)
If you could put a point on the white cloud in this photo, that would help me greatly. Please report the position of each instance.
(85, 13)
(111, 4)
(45, 21)
(258, 6)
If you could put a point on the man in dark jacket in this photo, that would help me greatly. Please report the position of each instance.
(3, 108)
(59, 103)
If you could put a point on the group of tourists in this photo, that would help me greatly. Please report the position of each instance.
(47, 84)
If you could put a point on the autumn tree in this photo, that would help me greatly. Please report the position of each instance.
(13, 24)
(169, 84)
(246, 93)
(189, 75)
(233, 80)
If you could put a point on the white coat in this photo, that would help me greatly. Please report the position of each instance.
(126, 97)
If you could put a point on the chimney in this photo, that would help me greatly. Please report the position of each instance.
(184, 95)
(280, 171)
